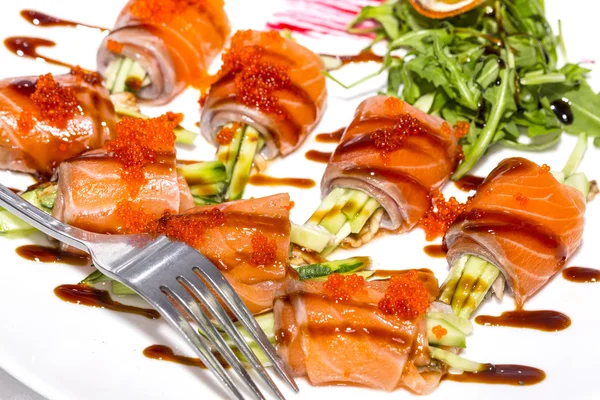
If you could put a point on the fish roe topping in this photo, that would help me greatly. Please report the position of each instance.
(188, 228)
(437, 220)
(25, 122)
(56, 103)
(264, 250)
(114, 46)
(91, 77)
(461, 129)
(255, 78)
(544, 169)
(226, 134)
(439, 331)
(137, 142)
(135, 219)
(162, 11)
(520, 198)
(393, 106)
(391, 139)
(406, 296)
(343, 287)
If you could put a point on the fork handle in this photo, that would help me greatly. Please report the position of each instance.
(40, 220)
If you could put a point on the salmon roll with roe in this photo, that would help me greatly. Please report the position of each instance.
(159, 47)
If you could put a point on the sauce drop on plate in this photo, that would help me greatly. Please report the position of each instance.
(517, 375)
(265, 180)
(332, 137)
(38, 18)
(160, 352)
(92, 297)
(45, 254)
(541, 320)
(318, 156)
(581, 274)
(435, 251)
(24, 46)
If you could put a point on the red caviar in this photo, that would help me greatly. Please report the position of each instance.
(264, 250)
(255, 78)
(461, 129)
(343, 287)
(137, 142)
(114, 46)
(56, 103)
(161, 11)
(91, 77)
(544, 169)
(391, 139)
(520, 198)
(135, 219)
(437, 220)
(25, 122)
(225, 135)
(393, 105)
(439, 331)
(188, 228)
(406, 296)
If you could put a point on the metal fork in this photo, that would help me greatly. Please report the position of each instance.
(167, 275)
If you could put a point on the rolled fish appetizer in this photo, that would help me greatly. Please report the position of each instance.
(127, 184)
(390, 160)
(47, 119)
(159, 47)
(248, 240)
(382, 334)
(268, 96)
(519, 229)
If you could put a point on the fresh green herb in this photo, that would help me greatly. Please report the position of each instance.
(494, 67)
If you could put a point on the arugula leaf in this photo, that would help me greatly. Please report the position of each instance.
(384, 14)
(584, 103)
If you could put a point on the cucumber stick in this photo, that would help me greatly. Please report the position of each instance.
(455, 361)
(347, 266)
(335, 219)
(228, 154)
(440, 332)
(311, 237)
(364, 214)
(326, 205)
(111, 73)
(356, 202)
(204, 172)
(121, 76)
(243, 164)
(464, 325)
(121, 290)
(39, 197)
(208, 189)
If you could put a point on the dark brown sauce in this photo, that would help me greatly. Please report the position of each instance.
(45, 254)
(27, 47)
(363, 56)
(517, 375)
(38, 18)
(14, 190)
(562, 110)
(332, 137)
(164, 353)
(541, 320)
(265, 180)
(318, 156)
(435, 251)
(468, 183)
(92, 297)
(581, 274)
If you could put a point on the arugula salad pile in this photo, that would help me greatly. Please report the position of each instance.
(495, 67)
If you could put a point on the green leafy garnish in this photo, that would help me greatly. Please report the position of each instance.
(494, 66)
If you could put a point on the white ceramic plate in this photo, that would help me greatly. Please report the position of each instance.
(69, 352)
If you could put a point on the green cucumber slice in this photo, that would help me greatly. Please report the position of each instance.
(454, 337)
(243, 165)
(208, 189)
(204, 172)
(228, 154)
(363, 216)
(312, 238)
(326, 205)
(347, 266)
(464, 325)
(356, 202)
(455, 361)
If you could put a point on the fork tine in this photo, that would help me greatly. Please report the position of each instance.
(197, 342)
(215, 308)
(224, 289)
(185, 300)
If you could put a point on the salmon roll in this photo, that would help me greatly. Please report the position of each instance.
(390, 160)
(159, 47)
(47, 119)
(268, 96)
(520, 228)
(248, 240)
(347, 330)
(130, 182)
